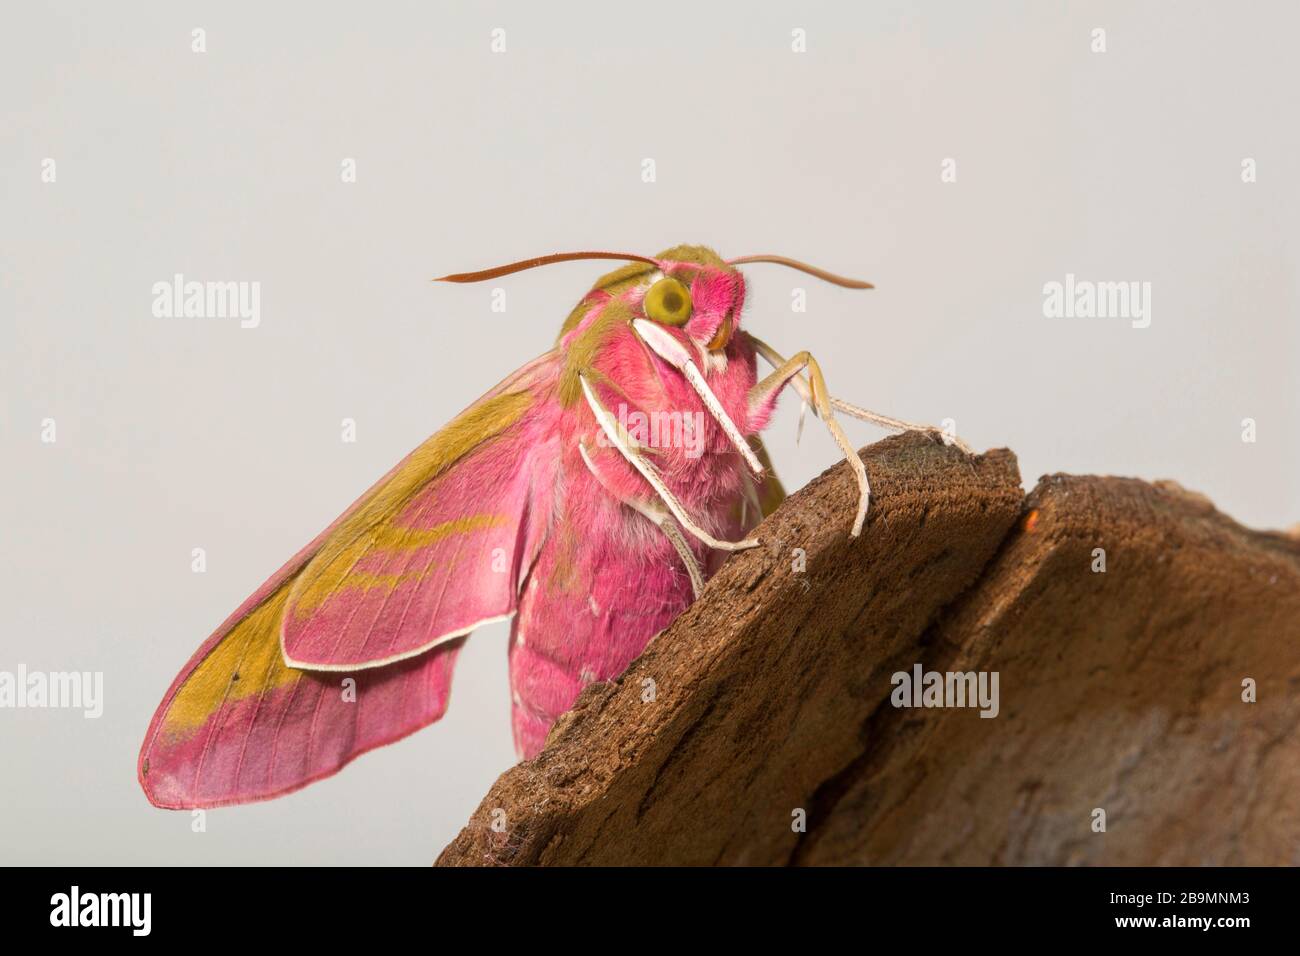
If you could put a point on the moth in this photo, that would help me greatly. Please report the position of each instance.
(553, 501)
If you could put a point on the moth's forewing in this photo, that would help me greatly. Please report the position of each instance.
(425, 560)
(412, 554)
(240, 726)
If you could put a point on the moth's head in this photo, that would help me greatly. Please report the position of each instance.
(688, 288)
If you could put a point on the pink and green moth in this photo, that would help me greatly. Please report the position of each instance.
(545, 502)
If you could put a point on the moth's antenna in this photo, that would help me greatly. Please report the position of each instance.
(523, 264)
(804, 267)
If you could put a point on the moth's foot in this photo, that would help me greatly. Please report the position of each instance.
(864, 495)
(951, 440)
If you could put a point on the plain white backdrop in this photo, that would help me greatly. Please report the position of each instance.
(172, 434)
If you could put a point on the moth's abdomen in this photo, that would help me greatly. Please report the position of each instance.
(606, 581)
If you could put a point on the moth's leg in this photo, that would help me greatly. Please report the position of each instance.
(676, 355)
(774, 359)
(764, 393)
(656, 515)
(617, 434)
(898, 425)
(674, 534)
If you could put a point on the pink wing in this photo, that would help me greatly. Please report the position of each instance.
(239, 723)
(439, 564)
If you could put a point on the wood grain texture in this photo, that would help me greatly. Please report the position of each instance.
(1119, 690)
(763, 687)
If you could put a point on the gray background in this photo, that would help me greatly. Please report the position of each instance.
(183, 433)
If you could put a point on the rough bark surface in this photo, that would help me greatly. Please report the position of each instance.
(769, 700)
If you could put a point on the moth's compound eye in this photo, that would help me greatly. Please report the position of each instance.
(668, 302)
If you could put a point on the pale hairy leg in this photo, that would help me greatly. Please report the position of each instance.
(624, 442)
(818, 397)
(676, 355)
(658, 516)
(774, 359)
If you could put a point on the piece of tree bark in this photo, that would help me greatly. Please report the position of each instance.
(758, 728)
(1122, 691)
(760, 689)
